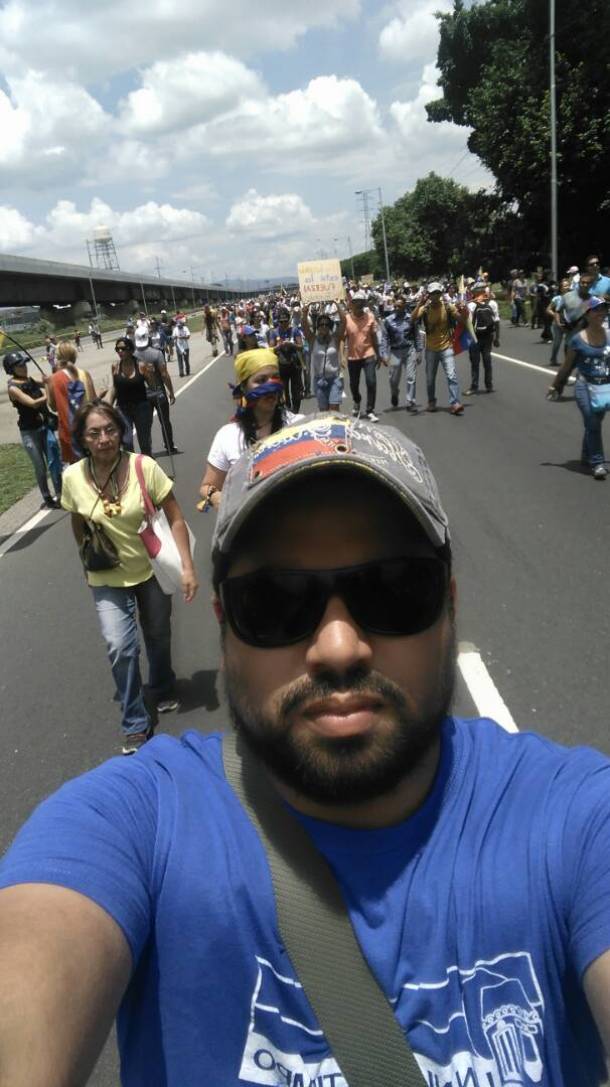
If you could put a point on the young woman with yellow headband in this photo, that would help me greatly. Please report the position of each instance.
(260, 411)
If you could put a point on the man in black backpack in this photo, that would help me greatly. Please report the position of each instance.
(486, 327)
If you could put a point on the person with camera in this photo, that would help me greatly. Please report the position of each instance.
(29, 397)
(103, 491)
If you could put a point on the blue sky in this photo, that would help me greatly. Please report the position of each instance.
(227, 136)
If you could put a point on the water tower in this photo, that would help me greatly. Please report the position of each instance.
(104, 251)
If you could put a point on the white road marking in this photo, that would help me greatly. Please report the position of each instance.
(548, 370)
(485, 694)
(40, 516)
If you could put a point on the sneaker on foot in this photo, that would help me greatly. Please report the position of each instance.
(394, 400)
(168, 705)
(135, 740)
(412, 407)
(432, 406)
(372, 418)
(599, 472)
(456, 409)
(356, 411)
(471, 391)
(51, 503)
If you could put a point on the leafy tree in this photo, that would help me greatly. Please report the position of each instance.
(493, 60)
(441, 226)
(367, 263)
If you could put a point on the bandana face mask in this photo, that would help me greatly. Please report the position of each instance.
(273, 387)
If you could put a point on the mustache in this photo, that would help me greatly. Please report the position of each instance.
(356, 681)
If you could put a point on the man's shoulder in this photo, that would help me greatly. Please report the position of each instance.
(529, 757)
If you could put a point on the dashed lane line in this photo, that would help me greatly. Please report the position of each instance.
(484, 693)
(28, 527)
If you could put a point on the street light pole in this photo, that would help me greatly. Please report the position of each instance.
(144, 298)
(385, 240)
(554, 182)
(351, 254)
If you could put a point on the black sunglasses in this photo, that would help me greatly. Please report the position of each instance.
(394, 597)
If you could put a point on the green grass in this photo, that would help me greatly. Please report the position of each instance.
(16, 475)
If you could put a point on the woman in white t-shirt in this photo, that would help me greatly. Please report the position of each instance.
(260, 412)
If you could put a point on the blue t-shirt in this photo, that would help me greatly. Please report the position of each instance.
(593, 362)
(478, 914)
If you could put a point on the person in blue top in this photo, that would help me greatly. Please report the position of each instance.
(600, 284)
(589, 353)
(474, 863)
(402, 339)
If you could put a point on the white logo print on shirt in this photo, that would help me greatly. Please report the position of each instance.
(476, 1027)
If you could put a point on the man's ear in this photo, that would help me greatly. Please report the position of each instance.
(218, 609)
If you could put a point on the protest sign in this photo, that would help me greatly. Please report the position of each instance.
(320, 280)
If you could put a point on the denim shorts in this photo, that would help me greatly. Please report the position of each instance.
(329, 390)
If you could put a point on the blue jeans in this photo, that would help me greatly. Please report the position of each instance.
(35, 444)
(557, 334)
(117, 611)
(354, 369)
(592, 446)
(329, 390)
(447, 361)
(405, 358)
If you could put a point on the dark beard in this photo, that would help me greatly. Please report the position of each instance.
(349, 770)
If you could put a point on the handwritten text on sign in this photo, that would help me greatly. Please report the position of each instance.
(320, 280)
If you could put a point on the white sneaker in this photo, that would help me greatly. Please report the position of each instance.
(372, 418)
(168, 705)
(356, 413)
(599, 472)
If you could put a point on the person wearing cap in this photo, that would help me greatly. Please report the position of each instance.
(573, 274)
(181, 337)
(473, 862)
(288, 343)
(589, 353)
(363, 353)
(439, 319)
(260, 411)
(29, 398)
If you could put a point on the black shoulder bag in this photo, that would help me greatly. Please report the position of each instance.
(355, 1015)
(97, 551)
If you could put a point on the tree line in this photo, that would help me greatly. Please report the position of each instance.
(493, 59)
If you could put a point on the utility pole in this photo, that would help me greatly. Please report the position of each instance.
(144, 298)
(364, 197)
(385, 240)
(351, 254)
(554, 182)
(158, 265)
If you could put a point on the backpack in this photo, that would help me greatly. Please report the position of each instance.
(483, 318)
(76, 394)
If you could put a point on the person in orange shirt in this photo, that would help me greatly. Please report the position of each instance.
(362, 354)
(439, 320)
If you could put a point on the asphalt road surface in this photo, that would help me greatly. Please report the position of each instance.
(530, 532)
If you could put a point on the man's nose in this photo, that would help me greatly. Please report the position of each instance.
(338, 644)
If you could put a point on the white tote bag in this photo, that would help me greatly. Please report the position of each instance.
(157, 537)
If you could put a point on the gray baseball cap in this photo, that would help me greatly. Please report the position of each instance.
(327, 441)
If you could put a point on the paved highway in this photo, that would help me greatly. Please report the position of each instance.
(530, 532)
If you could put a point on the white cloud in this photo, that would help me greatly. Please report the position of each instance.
(276, 216)
(137, 232)
(318, 125)
(46, 126)
(16, 232)
(103, 37)
(413, 33)
(430, 146)
(200, 87)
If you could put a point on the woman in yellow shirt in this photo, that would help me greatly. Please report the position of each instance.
(103, 488)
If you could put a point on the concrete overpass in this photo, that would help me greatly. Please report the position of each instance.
(47, 283)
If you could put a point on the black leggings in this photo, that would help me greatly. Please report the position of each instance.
(140, 414)
(293, 385)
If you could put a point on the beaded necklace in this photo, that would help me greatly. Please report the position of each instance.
(112, 506)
